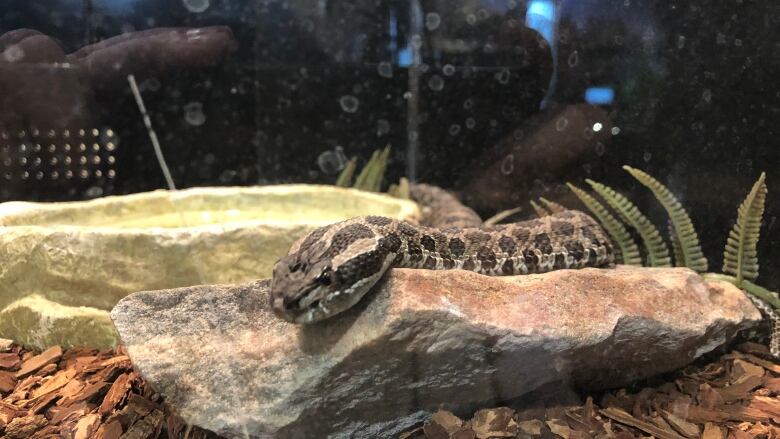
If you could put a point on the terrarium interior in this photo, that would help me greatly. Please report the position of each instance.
(415, 219)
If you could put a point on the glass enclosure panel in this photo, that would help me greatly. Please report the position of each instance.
(500, 102)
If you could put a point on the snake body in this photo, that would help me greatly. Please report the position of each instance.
(333, 267)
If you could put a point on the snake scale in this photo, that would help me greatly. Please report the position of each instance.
(333, 267)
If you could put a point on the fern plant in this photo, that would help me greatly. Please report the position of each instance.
(684, 232)
(370, 177)
(740, 257)
(616, 230)
(552, 206)
(657, 251)
(345, 177)
(400, 190)
(540, 211)
(500, 216)
(676, 246)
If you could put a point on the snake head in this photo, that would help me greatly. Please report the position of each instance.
(300, 290)
(308, 292)
(326, 274)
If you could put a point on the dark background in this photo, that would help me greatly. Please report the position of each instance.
(696, 99)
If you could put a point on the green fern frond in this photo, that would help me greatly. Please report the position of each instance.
(370, 177)
(552, 206)
(740, 257)
(379, 175)
(400, 190)
(657, 251)
(616, 230)
(684, 232)
(345, 177)
(362, 178)
(500, 216)
(676, 247)
(540, 211)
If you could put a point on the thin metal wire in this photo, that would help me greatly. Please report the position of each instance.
(152, 135)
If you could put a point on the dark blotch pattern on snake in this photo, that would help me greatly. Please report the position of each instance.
(329, 270)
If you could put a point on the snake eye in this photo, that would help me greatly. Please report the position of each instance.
(324, 277)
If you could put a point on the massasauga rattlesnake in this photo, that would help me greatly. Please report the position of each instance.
(329, 270)
(333, 267)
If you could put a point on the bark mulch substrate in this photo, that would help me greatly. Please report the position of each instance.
(86, 393)
(79, 394)
(737, 396)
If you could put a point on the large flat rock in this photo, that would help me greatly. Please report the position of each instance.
(424, 340)
(75, 260)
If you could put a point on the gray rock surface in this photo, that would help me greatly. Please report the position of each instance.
(424, 340)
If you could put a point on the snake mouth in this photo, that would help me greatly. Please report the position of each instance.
(304, 306)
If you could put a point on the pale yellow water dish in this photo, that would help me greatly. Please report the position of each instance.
(82, 257)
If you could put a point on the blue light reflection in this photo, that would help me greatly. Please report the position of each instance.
(599, 95)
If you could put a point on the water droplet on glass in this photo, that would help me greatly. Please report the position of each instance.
(471, 19)
(432, 20)
(408, 95)
(647, 156)
(588, 133)
(680, 41)
(454, 129)
(471, 123)
(707, 95)
(561, 124)
(349, 103)
(384, 69)
(597, 127)
(382, 127)
(329, 162)
(738, 42)
(196, 6)
(574, 58)
(13, 53)
(416, 41)
(436, 83)
(508, 164)
(94, 192)
(615, 131)
(468, 104)
(193, 114)
(448, 69)
(503, 76)
(227, 176)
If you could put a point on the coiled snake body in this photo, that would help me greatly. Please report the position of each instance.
(333, 267)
